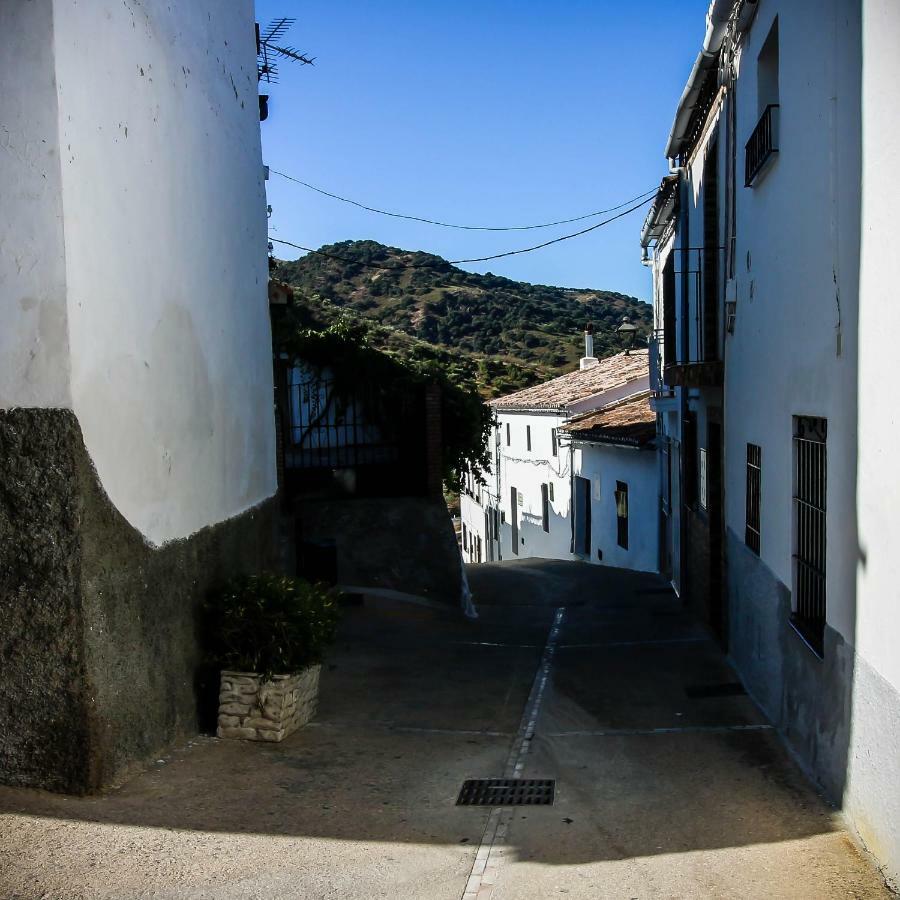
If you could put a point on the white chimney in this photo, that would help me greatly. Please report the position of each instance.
(589, 360)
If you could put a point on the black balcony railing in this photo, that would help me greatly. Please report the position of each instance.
(762, 144)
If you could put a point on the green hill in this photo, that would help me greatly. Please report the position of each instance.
(507, 334)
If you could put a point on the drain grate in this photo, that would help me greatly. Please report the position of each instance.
(507, 792)
(726, 689)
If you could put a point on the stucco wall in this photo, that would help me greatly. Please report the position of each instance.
(526, 470)
(34, 338)
(797, 263)
(873, 791)
(604, 466)
(165, 237)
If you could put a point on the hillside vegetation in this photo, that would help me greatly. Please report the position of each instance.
(504, 334)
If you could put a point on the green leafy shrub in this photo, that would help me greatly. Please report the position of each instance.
(269, 624)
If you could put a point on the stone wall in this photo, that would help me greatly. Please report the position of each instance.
(252, 710)
(401, 543)
(98, 650)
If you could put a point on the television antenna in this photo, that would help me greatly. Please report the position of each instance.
(270, 50)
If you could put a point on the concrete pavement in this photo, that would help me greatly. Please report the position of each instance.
(669, 784)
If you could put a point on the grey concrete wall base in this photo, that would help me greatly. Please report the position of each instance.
(98, 652)
(405, 544)
(809, 699)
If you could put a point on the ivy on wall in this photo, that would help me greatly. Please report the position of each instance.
(344, 350)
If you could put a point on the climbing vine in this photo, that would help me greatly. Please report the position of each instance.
(394, 382)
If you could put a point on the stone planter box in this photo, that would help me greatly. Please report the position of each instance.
(268, 711)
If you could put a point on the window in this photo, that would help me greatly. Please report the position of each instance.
(668, 287)
(550, 486)
(553, 443)
(545, 507)
(465, 537)
(528, 437)
(767, 72)
(622, 514)
(479, 548)
(810, 474)
(507, 435)
(763, 142)
(754, 476)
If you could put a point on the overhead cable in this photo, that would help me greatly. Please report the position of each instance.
(453, 262)
(395, 215)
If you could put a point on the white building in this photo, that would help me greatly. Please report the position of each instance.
(551, 492)
(136, 384)
(780, 501)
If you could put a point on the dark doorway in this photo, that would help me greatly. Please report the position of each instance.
(582, 516)
(514, 519)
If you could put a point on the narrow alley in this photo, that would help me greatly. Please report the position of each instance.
(669, 783)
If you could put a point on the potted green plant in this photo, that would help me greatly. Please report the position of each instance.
(267, 634)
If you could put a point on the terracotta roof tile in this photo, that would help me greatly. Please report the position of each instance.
(628, 421)
(575, 386)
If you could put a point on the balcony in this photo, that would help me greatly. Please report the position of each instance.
(763, 144)
(697, 363)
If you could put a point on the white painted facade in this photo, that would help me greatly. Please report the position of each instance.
(812, 312)
(133, 248)
(535, 463)
(607, 466)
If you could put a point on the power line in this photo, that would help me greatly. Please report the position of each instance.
(453, 262)
(395, 215)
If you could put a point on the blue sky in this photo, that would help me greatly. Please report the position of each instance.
(485, 113)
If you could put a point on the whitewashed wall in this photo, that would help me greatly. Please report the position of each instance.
(873, 792)
(604, 465)
(139, 121)
(526, 470)
(34, 333)
(783, 359)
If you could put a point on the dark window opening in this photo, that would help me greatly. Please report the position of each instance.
(810, 472)
(689, 459)
(507, 435)
(554, 447)
(528, 437)
(514, 519)
(754, 478)
(668, 303)
(622, 514)
(545, 507)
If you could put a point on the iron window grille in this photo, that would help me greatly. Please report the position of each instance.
(810, 472)
(754, 480)
(762, 144)
(553, 444)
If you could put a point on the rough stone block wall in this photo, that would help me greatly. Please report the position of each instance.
(401, 543)
(269, 711)
(99, 655)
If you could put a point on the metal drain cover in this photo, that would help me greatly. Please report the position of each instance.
(507, 792)
(727, 689)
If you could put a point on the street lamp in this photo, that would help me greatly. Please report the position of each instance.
(628, 332)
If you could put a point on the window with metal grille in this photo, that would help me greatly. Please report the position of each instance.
(528, 437)
(810, 544)
(553, 445)
(507, 435)
(545, 507)
(622, 514)
(754, 473)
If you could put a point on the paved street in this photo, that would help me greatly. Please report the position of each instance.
(669, 783)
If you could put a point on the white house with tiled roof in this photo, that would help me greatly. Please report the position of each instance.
(551, 490)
